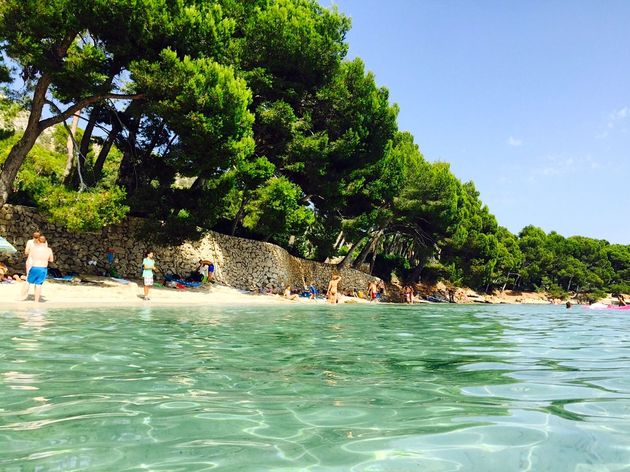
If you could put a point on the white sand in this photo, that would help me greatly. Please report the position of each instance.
(103, 291)
(107, 292)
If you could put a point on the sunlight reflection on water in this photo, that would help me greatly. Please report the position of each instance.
(362, 388)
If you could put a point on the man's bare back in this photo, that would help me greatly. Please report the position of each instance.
(41, 255)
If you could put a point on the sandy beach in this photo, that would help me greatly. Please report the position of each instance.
(102, 291)
(94, 291)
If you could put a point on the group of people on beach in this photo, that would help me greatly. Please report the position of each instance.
(202, 274)
(332, 295)
(39, 255)
(375, 291)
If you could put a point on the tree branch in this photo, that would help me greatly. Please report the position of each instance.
(68, 112)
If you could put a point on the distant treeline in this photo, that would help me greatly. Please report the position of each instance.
(245, 117)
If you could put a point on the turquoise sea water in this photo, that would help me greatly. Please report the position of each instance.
(316, 388)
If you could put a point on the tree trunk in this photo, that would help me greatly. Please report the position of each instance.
(70, 148)
(155, 140)
(367, 249)
(239, 216)
(346, 260)
(20, 150)
(373, 262)
(76, 172)
(415, 273)
(516, 279)
(89, 129)
(34, 127)
(340, 241)
(102, 155)
(127, 177)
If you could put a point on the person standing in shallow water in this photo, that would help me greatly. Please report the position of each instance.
(40, 255)
(27, 250)
(372, 291)
(331, 293)
(148, 266)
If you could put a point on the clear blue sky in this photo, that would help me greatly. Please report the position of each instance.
(528, 99)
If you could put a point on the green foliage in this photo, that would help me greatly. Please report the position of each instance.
(428, 201)
(8, 113)
(253, 174)
(85, 211)
(204, 104)
(38, 183)
(45, 166)
(554, 290)
(278, 210)
(359, 125)
(5, 72)
(290, 47)
(435, 272)
(388, 264)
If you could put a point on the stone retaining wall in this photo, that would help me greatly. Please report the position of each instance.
(240, 263)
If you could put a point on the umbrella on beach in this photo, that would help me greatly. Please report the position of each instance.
(6, 247)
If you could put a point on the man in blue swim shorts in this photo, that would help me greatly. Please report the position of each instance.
(40, 255)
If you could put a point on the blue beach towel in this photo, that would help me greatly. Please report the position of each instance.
(65, 278)
(120, 281)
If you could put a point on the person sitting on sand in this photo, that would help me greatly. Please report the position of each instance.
(287, 293)
(331, 293)
(5, 275)
(40, 255)
(196, 275)
(622, 300)
(202, 269)
(309, 290)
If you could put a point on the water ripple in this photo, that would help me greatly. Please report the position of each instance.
(379, 388)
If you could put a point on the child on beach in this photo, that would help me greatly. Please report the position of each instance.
(148, 266)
